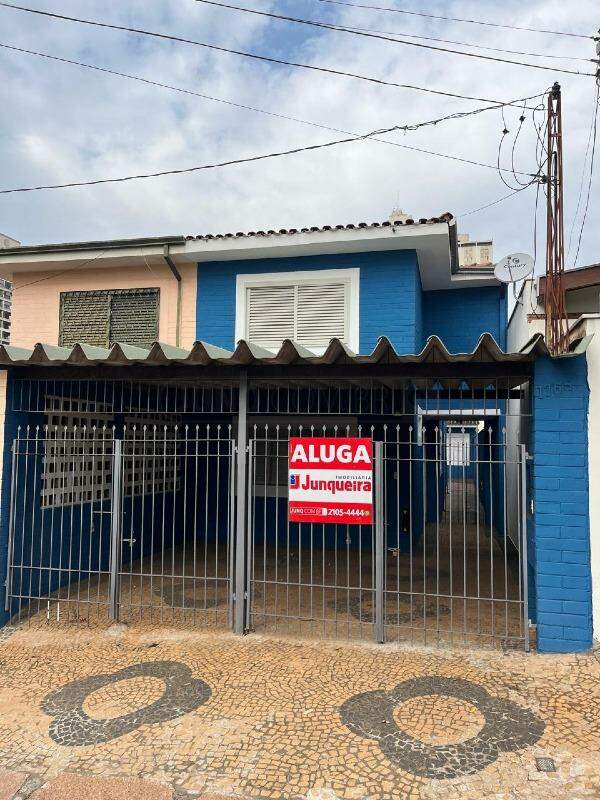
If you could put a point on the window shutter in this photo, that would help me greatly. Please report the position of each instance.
(270, 315)
(84, 317)
(105, 316)
(321, 314)
(134, 317)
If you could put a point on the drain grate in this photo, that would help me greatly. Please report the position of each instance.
(545, 764)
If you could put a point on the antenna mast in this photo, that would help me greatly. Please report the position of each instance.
(556, 317)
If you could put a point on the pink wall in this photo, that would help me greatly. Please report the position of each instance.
(35, 310)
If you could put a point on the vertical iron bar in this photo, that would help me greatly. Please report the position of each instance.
(115, 528)
(11, 527)
(240, 528)
(523, 554)
(379, 545)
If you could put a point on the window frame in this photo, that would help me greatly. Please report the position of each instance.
(350, 277)
(108, 295)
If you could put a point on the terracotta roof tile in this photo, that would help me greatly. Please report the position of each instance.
(447, 217)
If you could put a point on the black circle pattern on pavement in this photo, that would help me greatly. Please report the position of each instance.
(508, 727)
(72, 727)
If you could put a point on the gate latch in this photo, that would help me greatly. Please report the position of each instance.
(130, 542)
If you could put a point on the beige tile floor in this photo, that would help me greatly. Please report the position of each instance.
(273, 723)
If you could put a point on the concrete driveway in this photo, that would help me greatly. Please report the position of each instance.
(161, 713)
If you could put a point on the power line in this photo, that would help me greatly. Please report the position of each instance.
(494, 203)
(413, 148)
(220, 164)
(471, 44)
(591, 178)
(428, 15)
(408, 127)
(245, 54)
(380, 37)
(583, 170)
(62, 272)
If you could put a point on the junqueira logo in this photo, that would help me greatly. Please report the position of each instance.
(331, 480)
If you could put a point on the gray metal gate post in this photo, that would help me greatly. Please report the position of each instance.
(11, 525)
(379, 545)
(115, 528)
(239, 616)
(524, 569)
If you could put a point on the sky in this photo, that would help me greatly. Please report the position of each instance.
(63, 123)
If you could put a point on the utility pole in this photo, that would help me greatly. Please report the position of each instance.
(555, 311)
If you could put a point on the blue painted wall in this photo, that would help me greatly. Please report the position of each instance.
(390, 295)
(561, 556)
(460, 316)
(11, 425)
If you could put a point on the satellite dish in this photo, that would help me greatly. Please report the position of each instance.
(515, 267)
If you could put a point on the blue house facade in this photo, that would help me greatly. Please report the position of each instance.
(151, 480)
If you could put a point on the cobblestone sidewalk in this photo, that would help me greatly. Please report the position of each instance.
(162, 714)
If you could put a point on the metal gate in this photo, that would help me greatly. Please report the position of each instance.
(129, 524)
(141, 523)
(444, 562)
(307, 578)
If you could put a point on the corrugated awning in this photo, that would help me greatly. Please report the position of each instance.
(246, 353)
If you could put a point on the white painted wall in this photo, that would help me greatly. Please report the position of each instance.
(520, 330)
(593, 359)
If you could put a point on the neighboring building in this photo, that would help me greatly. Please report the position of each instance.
(582, 287)
(5, 294)
(151, 391)
(475, 255)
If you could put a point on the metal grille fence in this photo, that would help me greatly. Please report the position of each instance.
(443, 562)
(130, 524)
(164, 518)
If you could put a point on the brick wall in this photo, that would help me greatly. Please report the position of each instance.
(559, 472)
(389, 302)
(460, 316)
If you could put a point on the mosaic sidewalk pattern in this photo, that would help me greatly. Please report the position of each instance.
(261, 718)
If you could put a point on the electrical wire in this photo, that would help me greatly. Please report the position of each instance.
(245, 54)
(460, 43)
(429, 15)
(493, 203)
(405, 128)
(583, 171)
(57, 274)
(380, 37)
(231, 162)
(352, 137)
(591, 178)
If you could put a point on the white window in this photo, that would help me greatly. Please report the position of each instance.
(309, 307)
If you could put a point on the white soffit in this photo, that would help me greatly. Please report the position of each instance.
(430, 241)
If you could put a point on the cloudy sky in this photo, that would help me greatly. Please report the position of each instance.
(61, 123)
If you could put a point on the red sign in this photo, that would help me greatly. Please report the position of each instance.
(331, 480)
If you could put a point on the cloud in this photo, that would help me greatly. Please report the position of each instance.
(64, 123)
